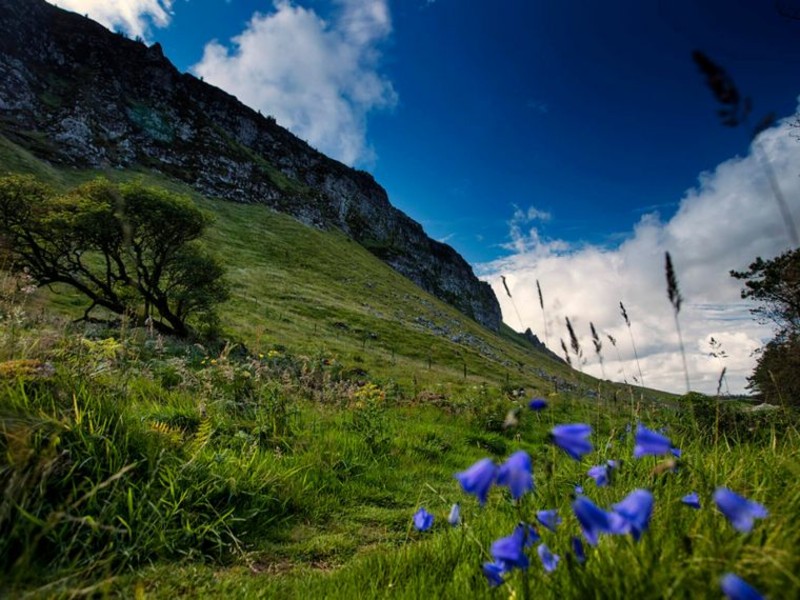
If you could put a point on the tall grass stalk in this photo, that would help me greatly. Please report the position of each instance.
(736, 110)
(624, 314)
(544, 316)
(675, 298)
(598, 348)
(566, 352)
(575, 344)
(514, 304)
(613, 341)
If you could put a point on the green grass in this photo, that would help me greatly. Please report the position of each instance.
(287, 462)
(682, 555)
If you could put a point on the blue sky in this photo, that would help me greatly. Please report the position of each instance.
(542, 140)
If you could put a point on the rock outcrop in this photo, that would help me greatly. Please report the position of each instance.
(76, 94)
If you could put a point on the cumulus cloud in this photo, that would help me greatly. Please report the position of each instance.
(723, 223)
(319, 79)
(134, 17)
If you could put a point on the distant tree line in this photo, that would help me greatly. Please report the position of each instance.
(130, 249)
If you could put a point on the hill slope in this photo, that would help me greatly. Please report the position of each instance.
(76, 94)
(318, 291)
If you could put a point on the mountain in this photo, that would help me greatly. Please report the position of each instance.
(75, 94)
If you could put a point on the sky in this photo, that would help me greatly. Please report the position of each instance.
(566, 143)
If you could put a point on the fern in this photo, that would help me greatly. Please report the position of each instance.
(202, 437)
(173, 434)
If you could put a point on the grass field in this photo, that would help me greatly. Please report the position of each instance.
(287, 459)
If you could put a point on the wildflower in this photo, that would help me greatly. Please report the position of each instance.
(516, 474)
(509, 551)
(549, 560)
(741, 512)
(692, 500)
(650, 443)
(423, 520)
(478, 479)
(736, 588)
(572, 439)
(612, 464)
(454, 518)
(600, 475)
(530, 534)
(549, 518)
(494, 573)
(577, 549)
(594, 520)
(578, 490)
(537, 404)
(636, 509)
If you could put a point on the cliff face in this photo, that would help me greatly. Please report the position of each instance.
(76, 94)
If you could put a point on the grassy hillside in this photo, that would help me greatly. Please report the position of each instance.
(287, 460)
(319, 292)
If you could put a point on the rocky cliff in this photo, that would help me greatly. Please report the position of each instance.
(76, 94)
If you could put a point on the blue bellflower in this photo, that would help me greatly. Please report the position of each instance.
(600, 475)
(740, 511)
(594, 520)
(494, 573)
(650, 443)
(549, 560)
(478, 479)
(423, 520)
(549, 518)
(636, 509)
(736, 588)
(537, 404)
(529, 533)
(509, 551)
(577, 549)
(573, 439)
(692, 500)
(516, 473)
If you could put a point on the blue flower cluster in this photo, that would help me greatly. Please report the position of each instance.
(631, 515)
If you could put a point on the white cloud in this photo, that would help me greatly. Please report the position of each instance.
(134, 17)
(522, 240)
(723, 223)
(317, 78)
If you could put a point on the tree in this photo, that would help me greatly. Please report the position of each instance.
(130, 249)
(775, 285)
(777, 373)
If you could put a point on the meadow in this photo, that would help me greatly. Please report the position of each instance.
(287, 457)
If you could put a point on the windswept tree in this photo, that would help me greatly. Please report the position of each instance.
(130, 249)
(775, 285)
